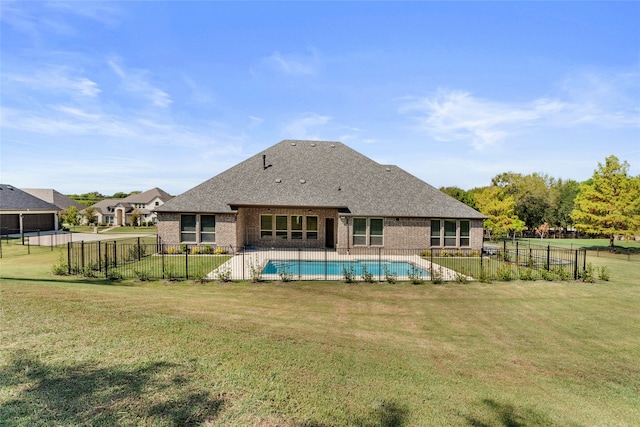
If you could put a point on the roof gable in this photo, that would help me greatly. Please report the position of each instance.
(14, 199)
(319, 174)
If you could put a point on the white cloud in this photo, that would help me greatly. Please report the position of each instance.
(54, 79)
(305, 126)
(135, 82)
(294, 64)
(457, 115)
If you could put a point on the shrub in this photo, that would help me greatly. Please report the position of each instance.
(61, 268)
(220, 251)
(136, 252)
(415, 275)
(114, 275)
(183, 248)
(426, 253)
(548, 275)
(390, 277)
(436, 275)
(604, 273)
(142, 275)
(255, 271)
(207, 249)
(526, 274)
(195, 250)
(171, 250)
(458, 253)
(505, 273)
(461, 278)
(561, 273)
(588, 275)
(348, 274)
(367, 277)
(484, 277)
(444, 253)
(199, 276)
(170, 274)
(223, 273)
(285, 276)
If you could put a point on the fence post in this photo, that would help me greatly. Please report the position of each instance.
(575, 266)
(326, 274)
(106, 260)
(139, 249)
(69, 258)
(186, 262)
(299, 264)
(548, 257)
(162, 258)
(517, 255)
(379, 265)
(99, 256)
(584, 261)
(82, 254)
(115, 254)
(244, 249)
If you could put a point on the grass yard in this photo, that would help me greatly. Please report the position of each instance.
(91, 352)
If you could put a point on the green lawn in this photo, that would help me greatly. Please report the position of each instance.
(91, 352)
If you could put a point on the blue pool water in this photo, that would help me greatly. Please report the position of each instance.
(336, 268)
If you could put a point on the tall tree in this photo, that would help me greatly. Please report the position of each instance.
(610, 203)
(461, 195)
(499, 208)
(90, 215)
(565, 196)
(71, 216)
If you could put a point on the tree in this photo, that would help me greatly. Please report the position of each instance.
(90, 215)
(135, 217)
(461, 195)
(499, 208)
(542, 230)
(610, 203)
(565, 196)
(71, 216)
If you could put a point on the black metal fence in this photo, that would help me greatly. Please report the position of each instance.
(144, 259)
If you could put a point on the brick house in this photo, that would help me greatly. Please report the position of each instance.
(119, 211)
(318, 194)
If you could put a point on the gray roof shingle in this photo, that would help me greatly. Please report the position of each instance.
(14, 199)
(320, 174)
(54, 197)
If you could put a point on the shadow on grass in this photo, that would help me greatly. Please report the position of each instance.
(508, 415)
(156, 393)
(386, 413)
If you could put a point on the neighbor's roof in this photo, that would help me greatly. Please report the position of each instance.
(14, 199)
(52, 196)
(320, 174)
(148, 196)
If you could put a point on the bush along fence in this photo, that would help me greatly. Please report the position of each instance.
(146, 260)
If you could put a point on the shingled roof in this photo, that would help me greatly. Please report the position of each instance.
(14, 199)
(148, 196)
(54, 197)
(319, 174)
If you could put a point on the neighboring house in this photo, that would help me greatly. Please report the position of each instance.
(317, 194)
(23, 212)
(119, 211)
(55, 198)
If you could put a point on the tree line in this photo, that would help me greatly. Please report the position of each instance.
(88, 199)
(607, 204)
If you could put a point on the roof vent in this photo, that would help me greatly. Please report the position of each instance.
(278, 180)
(293, 144)
(333, 145)
(387, 169)
(313, 145)
(303, 181)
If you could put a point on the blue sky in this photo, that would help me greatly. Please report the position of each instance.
(124, 96)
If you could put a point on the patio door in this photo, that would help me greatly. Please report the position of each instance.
(329, 239)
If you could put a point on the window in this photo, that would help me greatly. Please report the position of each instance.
(359, 231)
(296, 227)
(207, 228)
(312, 228)
(375, 230)
(368, 231)
(450, 232)
(281, 227)
(266, 227)
(435, 232)
(465, 228)
(157, 203)
(188, 228)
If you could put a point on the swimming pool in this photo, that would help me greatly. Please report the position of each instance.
(337, 268)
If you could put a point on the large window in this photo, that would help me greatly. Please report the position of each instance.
(207, 228)
(435, 232)
(188, 228)
(266, 227)
(450, 232)
(197, 228)
(465, 228)
(368, 231)
(283, 227)
(312, 228)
